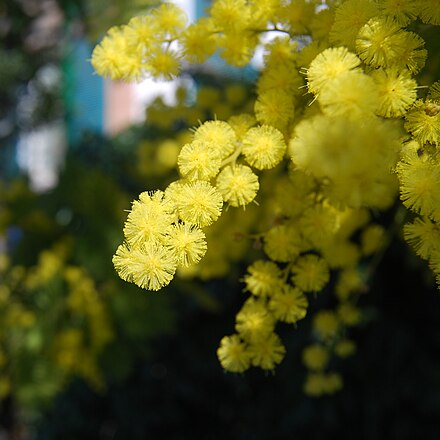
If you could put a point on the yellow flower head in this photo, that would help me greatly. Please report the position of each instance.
(397, 91)
(283, 243)
(379, 42)
(241, 124)
(237, 184)
(149, 219)
(420, 185)
(142, 32)
(150, 266)
(233, 354)
(429, 11)
(315, 357)
(288, 304)
(219, 135)
(402, 11)
(198, 203)
(350, 16)
(423, 121)
(263, 147)
(163, 63)
(310, 273)
(424, 236)
(254, 321)
(199, 161)
(280, 52)
(328, 65)
(326, 324)
(237, 48)
(230, 15)
(372, 239)
(352, 94)
(187, 243)
(267, 353)
(198, 41)
(116, 59)
(275, 108)
(263, 278)
(345, 348)
(170, 18)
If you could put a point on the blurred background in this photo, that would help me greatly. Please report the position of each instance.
(84, 355)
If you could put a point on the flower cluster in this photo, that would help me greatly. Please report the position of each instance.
(338, 103)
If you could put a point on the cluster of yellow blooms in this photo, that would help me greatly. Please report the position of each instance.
(67, 343)
(338, 111)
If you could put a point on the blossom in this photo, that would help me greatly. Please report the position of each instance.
(310, 273)
(237, 184)
(263, 147)
(233, 354)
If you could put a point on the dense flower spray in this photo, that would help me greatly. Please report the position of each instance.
(340, 119)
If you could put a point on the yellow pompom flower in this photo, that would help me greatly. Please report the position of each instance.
(350, 16)
(350, 281)
(198, 203)
(114, 58)
(237, 184)
(411, 54)
(341, 253)
(352, 94)
(219, 135)
(263, 278)
(397, 91)
(149, 219)
(402, 11)
(170, 18)
(345, 348)
(310, 273)
(237, 48)
(423, 121)
(267, 353)
(318, 224)
(322, 23)
(434, 91)
(163, 63)
(297, 14)
(326, 324)
(420, 185)
(253, 321)
(348, 314)
(356, 157)
(150, 266)
(283, 243)
(328, 65)
(275, 108)
(263, 147)
(198, 41)
(376, 42)
(424, 236)
(187, 243)
(279, 52)
(199, 161)
(233, 354)
(314, 385)
(429, 11)
(241, 124)
(142, 32)
(315, 357)
(372, 239)
(318, 384)
(288, 304)
(230, 15)
(283, 78)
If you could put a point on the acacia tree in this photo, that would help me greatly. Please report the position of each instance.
(344, 129)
